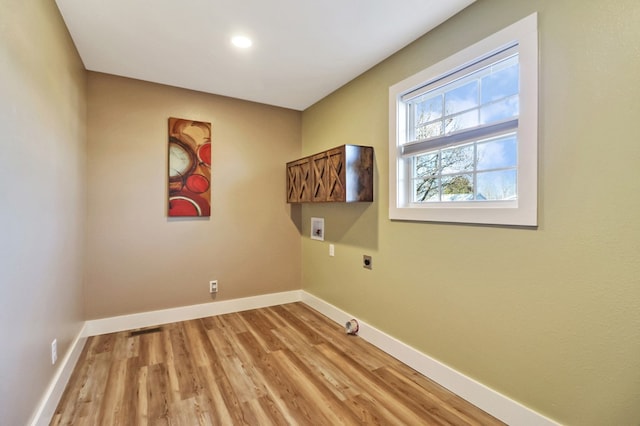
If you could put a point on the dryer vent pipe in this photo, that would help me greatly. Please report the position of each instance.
(352, 327)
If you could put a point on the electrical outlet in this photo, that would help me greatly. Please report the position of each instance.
(213, 286)
(367, 262)
(54, 351)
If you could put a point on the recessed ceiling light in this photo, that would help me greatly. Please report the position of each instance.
(241, 42)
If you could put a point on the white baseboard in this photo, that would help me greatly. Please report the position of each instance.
(185, 313)
(494, 403)
(47, 406)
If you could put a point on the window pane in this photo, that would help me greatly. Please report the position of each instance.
(457, 188)
(500, 110)
(498, 153)
(500, 185)
(461, 98)
(428, 109)
(429, 131)
(462, 121)
(502, 82)
(426, 189)
(426, 165)
(457, 159)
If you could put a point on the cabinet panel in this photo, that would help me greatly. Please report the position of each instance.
(335, 175)
(319, 177)
(342, 174)
(299, 181)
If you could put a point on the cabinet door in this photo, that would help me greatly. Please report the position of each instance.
(299, 181)
(335, 173)
(319, 177)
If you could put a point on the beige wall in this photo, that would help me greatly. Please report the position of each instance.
(42, 198)
(138, 259)
(550, 317)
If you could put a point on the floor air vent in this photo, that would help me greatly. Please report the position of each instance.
(145, 331)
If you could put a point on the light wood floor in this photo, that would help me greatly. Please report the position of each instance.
(282, 365)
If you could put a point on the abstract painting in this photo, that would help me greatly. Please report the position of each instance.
(189, 168)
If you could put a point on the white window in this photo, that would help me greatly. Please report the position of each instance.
(463, 134)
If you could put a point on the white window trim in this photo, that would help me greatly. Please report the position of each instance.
(524, 211)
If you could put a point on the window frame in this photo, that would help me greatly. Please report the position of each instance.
(520, 212)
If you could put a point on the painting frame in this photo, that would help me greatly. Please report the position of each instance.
(189, 168)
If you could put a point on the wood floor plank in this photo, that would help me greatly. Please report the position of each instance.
(316, 388)
(359, 350)
(142, 412)
(261, 327)
(223, 392)
(237, 366)
(220, 414)
(130, 405)
(112, 408)
(338, 382)
(379, 392)
(418, 399)
(272, 412)
(282, 365)
(158, 395)
(290, 390)
(184, 363)
(306, 332)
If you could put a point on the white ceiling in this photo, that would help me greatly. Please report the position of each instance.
(302, 49)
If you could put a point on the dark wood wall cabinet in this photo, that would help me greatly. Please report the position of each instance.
(342, 174)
